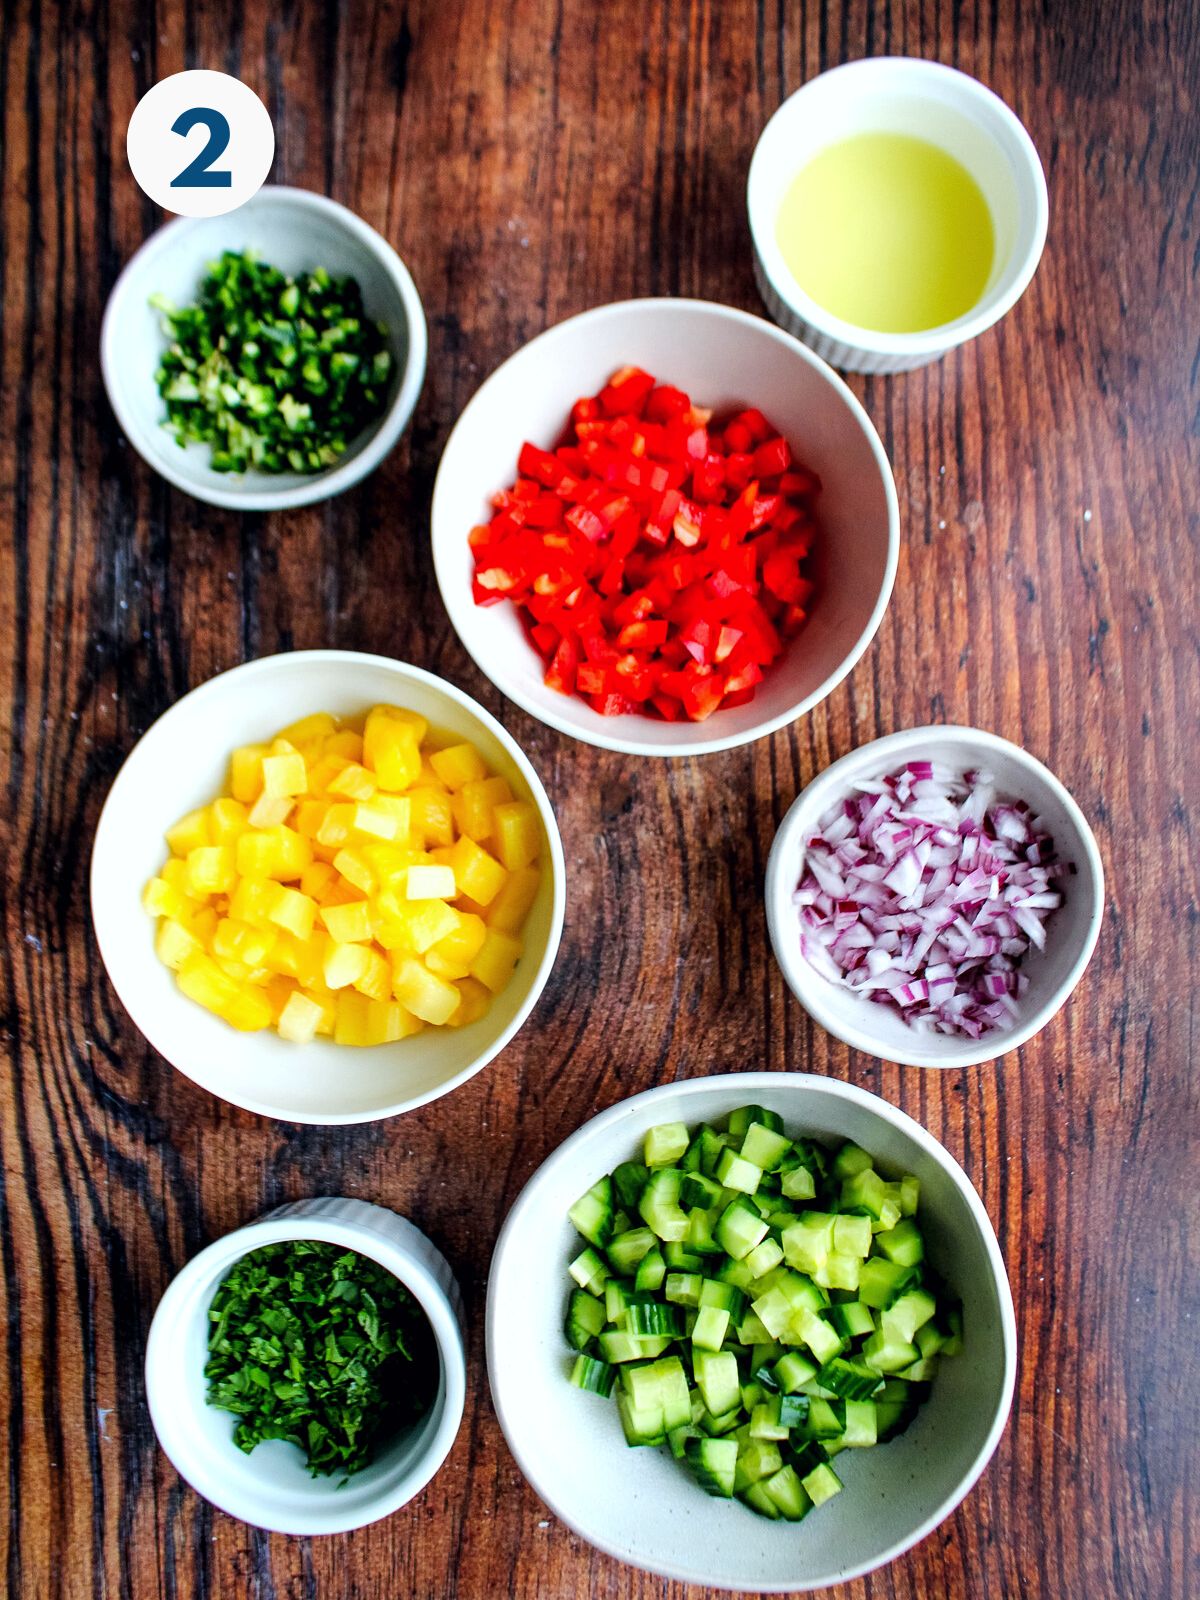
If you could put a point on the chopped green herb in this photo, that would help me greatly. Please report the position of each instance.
(320, 1346)
(275, 373)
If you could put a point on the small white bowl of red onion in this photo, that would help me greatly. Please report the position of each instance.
(934, 897)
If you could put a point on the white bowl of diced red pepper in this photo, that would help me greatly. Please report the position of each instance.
(665, 527)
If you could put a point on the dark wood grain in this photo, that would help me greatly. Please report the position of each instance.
(529, 160)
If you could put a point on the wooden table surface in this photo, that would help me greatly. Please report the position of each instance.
(530, 160)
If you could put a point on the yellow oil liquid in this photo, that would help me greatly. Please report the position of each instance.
(888, 232)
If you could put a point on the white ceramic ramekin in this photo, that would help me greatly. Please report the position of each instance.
(899, 94)
(1053, 972)
(271, 1487)
(295, 231)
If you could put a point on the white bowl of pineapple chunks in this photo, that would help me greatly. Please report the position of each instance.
(321, 851)
(786, 1294)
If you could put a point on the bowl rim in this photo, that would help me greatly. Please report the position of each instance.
(459, 608)
(264, 666)
(806, 984)
(754, 1084)
(168, 1416)
(392, 422)
(928, 343)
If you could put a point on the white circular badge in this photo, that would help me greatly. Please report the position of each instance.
(200, 143)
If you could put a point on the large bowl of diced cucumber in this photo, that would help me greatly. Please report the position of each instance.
(751, 1331)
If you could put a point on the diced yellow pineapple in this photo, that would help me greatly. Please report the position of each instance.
(313, 729)
(473, 1003)
(317, 879)
(458, 765)
(279, 989)
(299, 1018)
(344, 964)
(275, 852)
(211, 869)
(390, 864)
(517, 834)
(356, 870)
(345, 743)
(476, 872)
(269, 810)
(427, 778)
(291, 910)
(353, 781)
(234, 940)
(227, 820)
(391, 749)
(475, 803)
(174, 943)
(452, 955)
(284, 773)
(376, 979)
(174, 872)
(337, 826)
(310, 814)
(430, 883)
(203, 981)
(245, 773)
(509, 909)
(388, 1020)
(203, 923)
(248, 1009)
(353, 1013)
(163, 899)
(421, 923)
(376, 823)
(250, 902)
(347, 924)
(327, 1000)
(425, 994)
(497, 957)
(432, 819)
(189, 833)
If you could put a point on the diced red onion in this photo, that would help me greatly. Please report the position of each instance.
(924, 892)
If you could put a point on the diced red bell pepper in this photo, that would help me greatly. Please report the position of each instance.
(627, 390)
(772, 459)
(642, 635)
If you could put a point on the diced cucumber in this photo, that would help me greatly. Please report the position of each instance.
(868, 1192)
(824, 1341)
(659, 1205)
(727, 1422)
(697, 1190)
(793, 1410)
(665, 1144)
(625, 1250)
(616, 1298)
(710, 1328)
(585, 1319)
(714, 1462)
(826, 1419)
(640, 1426)
(660, 1383)
(589, 1271)
(629, 1179)
(757, 1459)
(886, 1354)
(852, 1380)
(764, 1147)
(725, 1296)
(652, 1319)
(592, 1213)
(677, 1438)
(679, 1258)
(906, 1314)
(617, 1346)
(652, 1269)
(717, 1379)
(740, 1120)
(852, 1319)
(751, 1331)
(860, 1430)
(839, 1271)
(852, 1236)
(595, 1376)
(919, 1371)
(788, 1494)
(798, 1182)
(757, 1498)
(902, 1244)
(684, 1288)
(764, 1258)
(793, 1369)
(807, 1241)
(821, 1484)
(735, 1172)
(765, 1420)
(700, 1232)
(711, 1145)
(882, 1282)
(740, 1228)
(910, 1195)
(850, 1160)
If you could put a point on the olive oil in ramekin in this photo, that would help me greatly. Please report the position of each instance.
(888, 232)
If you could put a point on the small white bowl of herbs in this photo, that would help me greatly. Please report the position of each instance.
(268, 358)
(306, 1373)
